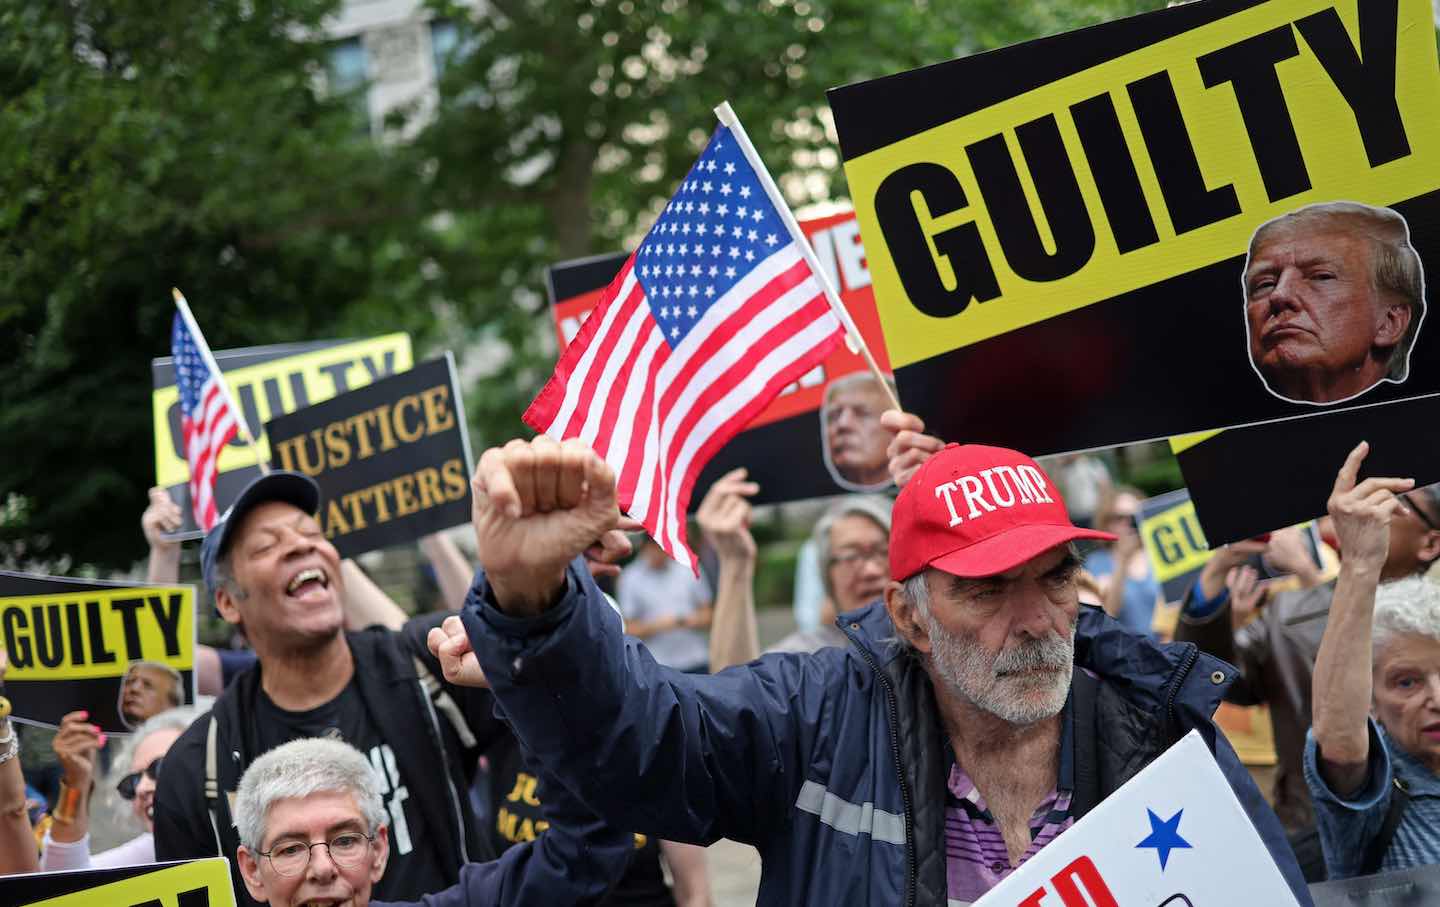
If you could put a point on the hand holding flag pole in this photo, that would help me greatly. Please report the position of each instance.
(205, 353)
(853, 339)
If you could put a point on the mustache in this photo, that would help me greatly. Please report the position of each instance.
(1051, 653)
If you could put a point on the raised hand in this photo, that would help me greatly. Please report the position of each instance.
(1246, 590)
(458, 663)
(75, 746)
(538, 504)
(724, 516)
(161, 516)
(1362, 512)
(910, 447)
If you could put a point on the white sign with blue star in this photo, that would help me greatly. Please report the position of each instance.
(1174, 835)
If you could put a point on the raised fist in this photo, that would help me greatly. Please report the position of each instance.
(537, 505)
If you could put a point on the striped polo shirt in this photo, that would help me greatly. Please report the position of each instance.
(976, 858)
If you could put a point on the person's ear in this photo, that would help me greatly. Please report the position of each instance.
(381, 853)
(227, 605)
(1393, 324)
(1429, 547)
(250, 872)
(906, 618)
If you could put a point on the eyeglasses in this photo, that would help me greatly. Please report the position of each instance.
(853, 557)
(1424, 518)
(126, 785)
(347, 849)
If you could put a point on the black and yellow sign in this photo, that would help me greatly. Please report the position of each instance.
(192, 883)
(72, 644)
(1174, 541)
(392, 458)
(1058, 230)
(265, 382)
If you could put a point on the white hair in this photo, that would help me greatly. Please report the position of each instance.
(1406, 607)
(873, 507)
(310, 765)
(857, 380)
(176, 719)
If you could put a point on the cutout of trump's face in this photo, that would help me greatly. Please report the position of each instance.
(1326, 315)
(855, 441)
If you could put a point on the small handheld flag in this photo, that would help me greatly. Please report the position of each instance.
(716, 312)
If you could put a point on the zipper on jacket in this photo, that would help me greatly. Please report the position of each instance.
(449, 776)
(912, 869)
(1191, 656)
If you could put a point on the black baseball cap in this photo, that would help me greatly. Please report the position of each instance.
(290, 487)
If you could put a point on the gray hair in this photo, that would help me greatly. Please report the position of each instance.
(1405, 607)
(176, 719)
(873, 507)
(224, 578)
(1395, 268)
(297, 769)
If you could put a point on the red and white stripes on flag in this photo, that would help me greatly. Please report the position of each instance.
(207, 421)
(707, 322)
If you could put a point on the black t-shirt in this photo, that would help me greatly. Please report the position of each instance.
(414, 867)
(518, 818)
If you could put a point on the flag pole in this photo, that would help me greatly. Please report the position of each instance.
(184, 308)
(853, 338)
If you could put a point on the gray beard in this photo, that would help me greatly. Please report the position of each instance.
(993, 684)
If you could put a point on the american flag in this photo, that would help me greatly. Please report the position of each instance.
(207, 422)
(713, 315)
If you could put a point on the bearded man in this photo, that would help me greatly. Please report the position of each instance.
(974, 714)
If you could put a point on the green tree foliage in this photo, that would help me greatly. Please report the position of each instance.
(145, 144)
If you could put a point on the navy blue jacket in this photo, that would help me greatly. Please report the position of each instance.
(575, 862)
(831, 764)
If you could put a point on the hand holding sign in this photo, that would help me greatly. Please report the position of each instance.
(1362, 511)
(537, 505)
(76, 744)
(910, 447)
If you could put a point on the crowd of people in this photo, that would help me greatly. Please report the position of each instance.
(986, 671)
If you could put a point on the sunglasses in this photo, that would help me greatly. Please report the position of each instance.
(126, 786)
(1424, 518)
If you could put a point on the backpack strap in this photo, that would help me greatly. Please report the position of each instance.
(1375, 852)
(212, 781)
(445, 704)
(1084, 690)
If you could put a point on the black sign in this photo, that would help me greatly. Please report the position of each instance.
(1248, 481)
(392, 458)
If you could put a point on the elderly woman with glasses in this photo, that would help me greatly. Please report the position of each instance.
(67, 842)
(1372, 761)
(313, 829)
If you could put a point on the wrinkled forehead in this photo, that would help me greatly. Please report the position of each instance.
(867, 388)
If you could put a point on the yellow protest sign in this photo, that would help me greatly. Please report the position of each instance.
(1076, 242)
(1025, 200)
(197, 883)
(278, 381)
(97, 633)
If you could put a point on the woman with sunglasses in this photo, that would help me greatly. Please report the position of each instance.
(136, 765)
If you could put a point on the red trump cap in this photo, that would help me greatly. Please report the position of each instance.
(973, 510)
